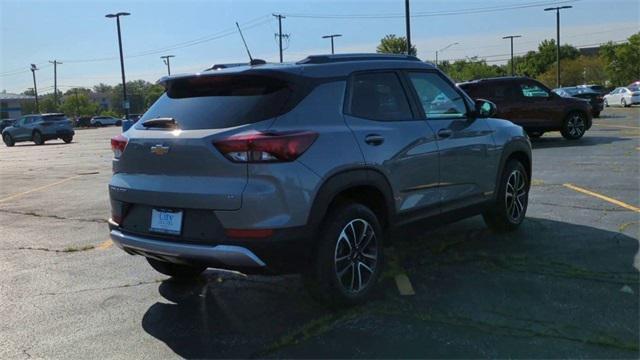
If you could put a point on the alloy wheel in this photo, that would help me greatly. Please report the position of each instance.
(516, 195)
(575, 125)
(356, 256)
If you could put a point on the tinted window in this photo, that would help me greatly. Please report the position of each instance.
(438, 98)
(213, 102)
(531, 90)
(58, 117)
(379, 96)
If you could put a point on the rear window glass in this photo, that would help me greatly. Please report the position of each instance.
(214, 102)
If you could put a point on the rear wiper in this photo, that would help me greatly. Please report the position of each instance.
(161, 122)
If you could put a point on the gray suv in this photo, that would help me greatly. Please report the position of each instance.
(309, 167)
(39, 128)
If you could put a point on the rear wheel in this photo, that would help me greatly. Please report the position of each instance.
(596, 114)
(348, 258)
(67, 139)
(624, 103)
(8, 140)
(98, 124)
(574, 126)
(513, 197)
(176, 270)
(37, 138)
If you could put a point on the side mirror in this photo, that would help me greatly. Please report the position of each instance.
(485, 108)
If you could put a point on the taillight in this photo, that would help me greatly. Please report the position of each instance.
(118, 144)
(258, 147)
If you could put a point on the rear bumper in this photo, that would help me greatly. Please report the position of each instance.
(287, 251)
(227, 255)
(57, 133)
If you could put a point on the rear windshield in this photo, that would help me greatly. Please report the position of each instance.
(58, 117)
(215, 102)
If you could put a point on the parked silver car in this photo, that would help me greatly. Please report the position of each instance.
(308, 168)
(39, 128)
(104, 121)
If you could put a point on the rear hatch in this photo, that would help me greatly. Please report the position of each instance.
(55, 120)
(170, 160)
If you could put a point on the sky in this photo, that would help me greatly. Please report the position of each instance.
(201, 33)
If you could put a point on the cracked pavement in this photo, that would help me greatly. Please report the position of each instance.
(559, 287)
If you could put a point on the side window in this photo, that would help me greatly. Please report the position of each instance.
(379, 96)
(438, 98)
(531, 90)
(502, 91)
(22, 121)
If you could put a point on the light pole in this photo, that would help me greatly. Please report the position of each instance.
(407, 21)
(280, 35)
(557, 9)
(443, 49)
(125, 103)
(167, 62)
(512, 37)
(331, 37)
(35, 88)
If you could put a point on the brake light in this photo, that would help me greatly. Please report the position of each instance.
(259, 147)
(118, 144)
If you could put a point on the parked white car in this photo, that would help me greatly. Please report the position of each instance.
(104, 121)
(622, 96)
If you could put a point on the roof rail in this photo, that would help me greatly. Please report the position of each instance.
(327, 59)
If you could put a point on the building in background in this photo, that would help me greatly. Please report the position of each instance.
(11, 104)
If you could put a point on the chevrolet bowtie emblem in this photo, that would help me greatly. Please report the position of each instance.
(159, 149)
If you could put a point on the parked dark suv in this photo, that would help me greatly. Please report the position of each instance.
(308, 167)
(533, 106)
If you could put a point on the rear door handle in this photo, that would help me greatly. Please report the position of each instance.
(374, 139)
(445, 133)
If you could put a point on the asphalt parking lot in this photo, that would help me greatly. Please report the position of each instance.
(564, 285)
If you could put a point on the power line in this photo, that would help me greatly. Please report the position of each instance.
(432, 13)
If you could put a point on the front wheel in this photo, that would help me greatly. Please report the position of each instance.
(348, 258)
(513, 197)
(574, 126)
(8, 140)
(176, 270)
(37, 138)
(596, 114)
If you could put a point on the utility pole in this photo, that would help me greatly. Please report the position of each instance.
(557, 9)
(35, 88)
(55, 81)
(408, 23)
(511, 37)
(280, 17)
(167, 62)
(77, 102)
(331, 37)
(125, 103)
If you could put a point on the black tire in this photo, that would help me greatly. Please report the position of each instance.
(509, 211)
(574, 125)
(596, 114)
(535, 134)
(338, 251)
(98, 124)
(67, 139)
(8, 140)
(119, 123)
(37, 138)
(176, 270)
(623, 102)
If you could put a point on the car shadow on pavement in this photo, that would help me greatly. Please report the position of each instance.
(45, 144)
(587, 140)
(551, 289)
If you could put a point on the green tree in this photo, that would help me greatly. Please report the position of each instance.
(471, 69)
(78, 103)
(534, 63)
(583, 70)
(391, 44)
(622, 61)
(152, 94)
